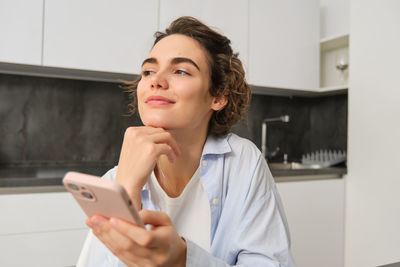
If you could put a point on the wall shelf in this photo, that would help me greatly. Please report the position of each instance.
(334, 50)
(334, 42)
(333, 88)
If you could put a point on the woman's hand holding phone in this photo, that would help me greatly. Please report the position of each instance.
(141, 148)
(136, 246)
(121, 227)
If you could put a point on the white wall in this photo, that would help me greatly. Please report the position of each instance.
(372, 221)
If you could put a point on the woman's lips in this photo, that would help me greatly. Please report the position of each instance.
(158, 101)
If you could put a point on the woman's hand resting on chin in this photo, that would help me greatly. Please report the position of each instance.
(132, 244)
(141, 148)
(136, 246)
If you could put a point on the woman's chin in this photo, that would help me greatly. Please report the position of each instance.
(158, 124)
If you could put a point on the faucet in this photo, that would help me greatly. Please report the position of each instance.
(283, 118)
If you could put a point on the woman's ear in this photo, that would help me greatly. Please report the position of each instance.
(219, 103)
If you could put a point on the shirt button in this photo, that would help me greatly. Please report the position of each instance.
(215, 201)
(204, 163)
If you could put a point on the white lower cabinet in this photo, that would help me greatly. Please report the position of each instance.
(315, 213)
(59, 248)
(46, 229)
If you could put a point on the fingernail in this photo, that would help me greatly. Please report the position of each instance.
(114, 222)
(89, 223)
(95, 221)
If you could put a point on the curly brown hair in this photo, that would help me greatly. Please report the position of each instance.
(226, 71)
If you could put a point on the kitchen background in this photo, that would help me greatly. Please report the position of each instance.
(330, 64)
(49, 122)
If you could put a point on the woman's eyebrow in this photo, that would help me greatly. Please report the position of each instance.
(178, 60)
(149, 60)
(174, 61)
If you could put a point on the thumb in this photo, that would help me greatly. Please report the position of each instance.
(155, 218)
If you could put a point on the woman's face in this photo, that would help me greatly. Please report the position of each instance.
(173, 92)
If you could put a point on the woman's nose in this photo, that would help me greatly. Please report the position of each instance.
(159, 82)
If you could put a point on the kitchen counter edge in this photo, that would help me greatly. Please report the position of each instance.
(42, 186)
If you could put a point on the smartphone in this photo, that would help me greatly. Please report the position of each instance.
(101, 196)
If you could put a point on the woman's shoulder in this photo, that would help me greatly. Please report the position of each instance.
(242, 146)
(246, 163)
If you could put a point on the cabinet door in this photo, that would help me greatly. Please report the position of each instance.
(284, 44)
(334, 18)
(315, 213)
(229, 17)
(21, 31)
(102, 35)
(46, 229)
(44, 249)
(44, 212)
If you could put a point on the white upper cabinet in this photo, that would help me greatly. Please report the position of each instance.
(101, 35)
(21, 31)
(334, 18)
(229, 17)
(277, 41)
(284, 44)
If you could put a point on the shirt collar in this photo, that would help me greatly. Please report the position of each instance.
(213, 146)
(216, 145)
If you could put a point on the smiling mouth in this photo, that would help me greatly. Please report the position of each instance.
(158, 101)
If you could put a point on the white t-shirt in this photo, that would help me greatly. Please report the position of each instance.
(190, 212)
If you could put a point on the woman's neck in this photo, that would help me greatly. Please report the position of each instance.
(173, 177)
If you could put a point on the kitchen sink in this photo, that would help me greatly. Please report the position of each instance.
(293, 166)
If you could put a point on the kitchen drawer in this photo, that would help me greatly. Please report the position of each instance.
(27, 213)
(45, 249)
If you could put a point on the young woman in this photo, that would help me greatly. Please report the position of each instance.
(207, 194)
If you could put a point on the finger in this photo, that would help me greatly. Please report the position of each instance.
(132, 133)
(163, 232)
(146, 129)
(117, 242)
(138, 234)
(166, 137)
(154, 135)
(155, 218)
(164, 149)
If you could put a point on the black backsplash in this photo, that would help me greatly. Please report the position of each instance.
(61, 121)
(315, 123)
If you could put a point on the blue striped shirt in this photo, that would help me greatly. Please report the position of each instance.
(248, 224)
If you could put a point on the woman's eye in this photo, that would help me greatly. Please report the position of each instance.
(182, 72)
(147, 72)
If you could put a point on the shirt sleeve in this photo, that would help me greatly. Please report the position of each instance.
(262, 240)
(199, 257)
(254, 224)
(83, 257)
(262, 234)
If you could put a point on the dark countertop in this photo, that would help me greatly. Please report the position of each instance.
(13, 179)
(300, 172)
(308, 174)
(30, 180)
